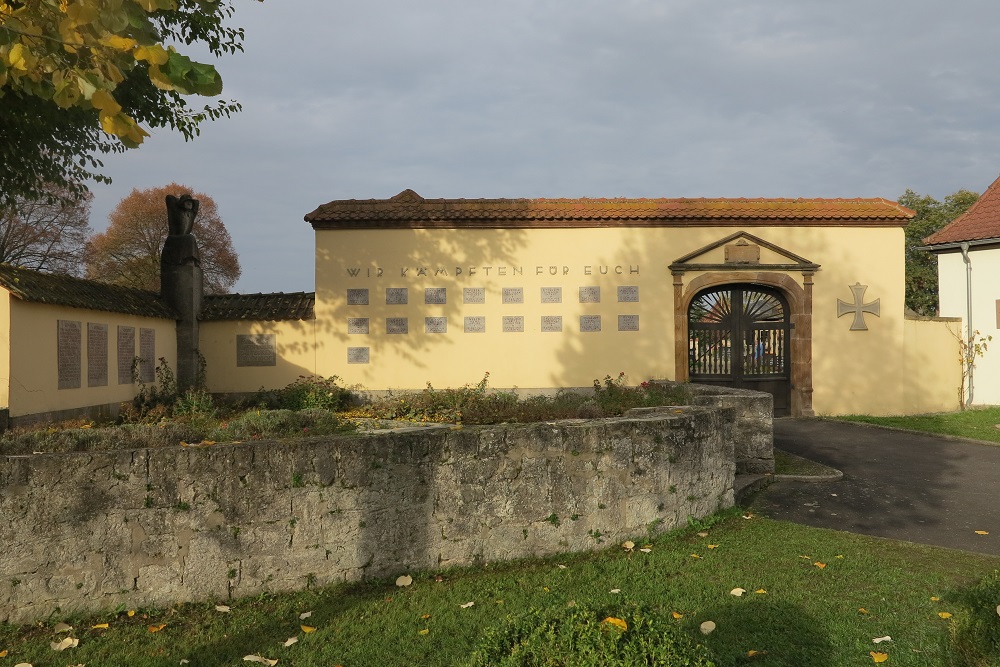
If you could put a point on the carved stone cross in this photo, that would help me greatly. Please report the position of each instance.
(858, 308)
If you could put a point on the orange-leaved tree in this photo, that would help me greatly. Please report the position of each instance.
(128, 251)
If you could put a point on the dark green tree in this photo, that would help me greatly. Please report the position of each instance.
(921, 266)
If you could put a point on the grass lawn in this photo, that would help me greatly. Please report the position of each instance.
(813, 598)
(978, 424)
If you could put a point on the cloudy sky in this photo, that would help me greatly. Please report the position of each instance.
(579, 98)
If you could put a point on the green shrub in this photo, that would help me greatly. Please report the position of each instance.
(975, 629)
(580, 637)
(308, 392)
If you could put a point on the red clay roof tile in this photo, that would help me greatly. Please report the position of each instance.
(980, 222)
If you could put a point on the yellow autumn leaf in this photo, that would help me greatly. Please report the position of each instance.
(712, 546)
(878, 656)
(260, 659)
(3, 653)
(862, 610)
(425, 616)
(308, 628)
(68, 642)
(819, 565)
(103, 100)
(753, 653)
(100, 626)
(118, 42)
(628, 545)
(695, 556)
(760, 591)
(424, 631)
(617, 622)
(157, 628)
(944, 614)
(676, 615)
(982, 532)
(131, 613)
(62, 627)
(19, 57)
(153, 54)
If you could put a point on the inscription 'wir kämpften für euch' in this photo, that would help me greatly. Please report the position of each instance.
(494, 271)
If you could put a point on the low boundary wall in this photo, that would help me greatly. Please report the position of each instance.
(91, 531)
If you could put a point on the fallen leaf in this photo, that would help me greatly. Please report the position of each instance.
(628, 545)
(62, 627)
(982, 532)
(695, 556)
(561, 567)
(257, 658)
(712, 546)
(703, 534)
(425, 616)
(738, 592)
(424, 631)
(819, 565)
(806, 557)
(68, 642)
(760, 591)
(862, 610)
(998, 610)
(222, 608)
(935, 598)
(615, 590)
(99, 626)
(157, 628)
(466, 605)
(944, 614)
(290, 641)
(839, 556)
(707, 628)
(185, 661)
(23, 664)
(3, 654)
(751, 653)
(404, 580)
(308, 628)
(617, 622)
(131, 613)
(304, 615)
(676, 615)
(748, 515)
(878, 657)
(645, 550)
(879, 640)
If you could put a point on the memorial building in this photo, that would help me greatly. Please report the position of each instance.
(802, 298)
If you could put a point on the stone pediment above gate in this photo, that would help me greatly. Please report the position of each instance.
(742, 252)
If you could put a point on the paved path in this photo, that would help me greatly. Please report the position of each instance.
(919, 488)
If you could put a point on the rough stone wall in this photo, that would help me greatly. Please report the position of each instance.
(753, 431)
(90, 531)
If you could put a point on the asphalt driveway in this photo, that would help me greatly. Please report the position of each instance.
(905, 486)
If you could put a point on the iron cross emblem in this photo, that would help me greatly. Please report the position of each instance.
(859, 307)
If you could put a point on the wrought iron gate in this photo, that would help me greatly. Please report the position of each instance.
(739, 336)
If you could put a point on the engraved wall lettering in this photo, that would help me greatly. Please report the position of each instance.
(590, 323)
(590, 294)
(68, 342)
(126, 353)
(552, 323)
(628, 322)
(552, 295)
(97, 355)
(357, 325)
(357, 355)
(436, 325)
(474, 295)
(357, 296)
(436, 296)
(256, 350)
(397, 325)
(396, 296)
(476, 324)
(147, 355)
(628, 293)
(513, 323)
(512, 295)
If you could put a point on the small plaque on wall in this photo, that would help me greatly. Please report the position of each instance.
(628, 293)
(590, 323)
(97, 355)
(357, 296)
(628, 322)
(590, 295)
(551, 323)
(552, 295)
(396, 296)
(357, 355)
(513, 323)
(256, 350)
(357, 325)
(436, 324)
(474, 295)
(436, 296)
(126, 354)
(513, 294)
(475, 324)
(69, 354)
(397, 325)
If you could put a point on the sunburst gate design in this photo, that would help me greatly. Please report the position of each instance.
(755, 319)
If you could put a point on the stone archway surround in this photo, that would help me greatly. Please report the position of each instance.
(800, 306)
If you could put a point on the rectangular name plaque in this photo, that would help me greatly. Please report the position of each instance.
(435, 325)
(590, 323)
(513, 324)
(357, 355)
(396, 296)
(147, 355)
(474, 295)
(397, 325)
(552, 295)
(357, 296)
(126, 353)
(551, 323)
(512, 295)
(590, 295)
(628, 322)
(436, 296)
(628, 294)
(476, 324)
(357, 325)
(97, 355)
(68, 343)
(256, 350)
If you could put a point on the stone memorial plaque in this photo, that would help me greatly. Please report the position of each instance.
(357, 296)
(97, 355)
(357, 325)
(126, 353)
(628, 294)
(552, 295)
(476, 324)
(147, 355)
(397, 325)
(396, 296)
(256, 350)
(590, 323)
(474, 295)
(512, 295)
(358, 355)
(68, 344)
(513, 324)
(590, 295)
(436, 325)
(628, 322)
(551, 323)
(436, 296)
